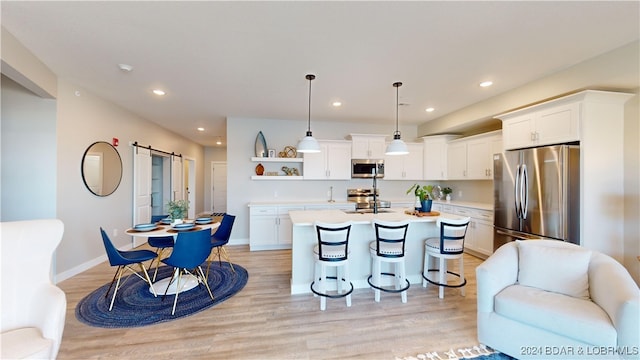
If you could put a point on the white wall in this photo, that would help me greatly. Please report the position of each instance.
(632, 186)
(83, 120)
(28, 183)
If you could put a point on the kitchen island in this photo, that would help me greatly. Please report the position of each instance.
(362, 233)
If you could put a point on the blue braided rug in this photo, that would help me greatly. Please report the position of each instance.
(136, 306)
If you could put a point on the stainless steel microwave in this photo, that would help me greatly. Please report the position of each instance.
(367, 168)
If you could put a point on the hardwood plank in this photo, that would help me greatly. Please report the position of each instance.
(264, 321)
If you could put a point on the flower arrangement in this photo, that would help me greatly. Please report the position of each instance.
(447, 191)
(423, 192)
(178, 209)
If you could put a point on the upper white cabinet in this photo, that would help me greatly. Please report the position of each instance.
(405, 167)
(435, 156)
(471, 158)
(367, 146)
(553, 125)
(333, 162)
(596, 119)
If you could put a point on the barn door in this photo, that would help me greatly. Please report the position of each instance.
(141, 189)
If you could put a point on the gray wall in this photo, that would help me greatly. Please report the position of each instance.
(28, 184)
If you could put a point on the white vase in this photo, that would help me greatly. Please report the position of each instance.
(448, 197)
(418, 204)
(176, 222)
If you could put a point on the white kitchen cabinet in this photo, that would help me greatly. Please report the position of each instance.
(553, 125)
(435, 156)
(367, 146)
(601, 128)
(457, 161)
(270, 227)
(471, 158)
(479, 238)
(405, 167)
(333, 162)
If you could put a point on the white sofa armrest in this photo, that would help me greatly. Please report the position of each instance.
(613, 289)
(494, 274)
(49, 306)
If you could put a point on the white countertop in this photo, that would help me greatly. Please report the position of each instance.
(469, 204)
(299, 203)
(308, 217)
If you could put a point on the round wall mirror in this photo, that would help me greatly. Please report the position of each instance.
(101, 168)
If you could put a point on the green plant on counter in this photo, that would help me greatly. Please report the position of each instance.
(422, 192)
(447, 190)
(178, 209)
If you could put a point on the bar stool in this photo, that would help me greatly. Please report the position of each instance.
(448, 246)
(332, 251)
(388, 247)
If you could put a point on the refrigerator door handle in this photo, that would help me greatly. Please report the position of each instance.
(524, 187)
(516, 192)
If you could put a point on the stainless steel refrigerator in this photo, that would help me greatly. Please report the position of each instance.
(537, 194)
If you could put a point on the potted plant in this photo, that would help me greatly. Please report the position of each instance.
(424, 194)
(447, 193)
(177, 210)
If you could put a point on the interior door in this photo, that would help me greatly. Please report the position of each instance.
(218, 187)
(141, 189)
(176, 178)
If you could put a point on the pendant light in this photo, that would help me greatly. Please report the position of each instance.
(397, 146)
(308, 144)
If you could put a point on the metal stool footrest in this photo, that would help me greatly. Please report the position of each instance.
(336, 296)
(447, 285)
(386, 289)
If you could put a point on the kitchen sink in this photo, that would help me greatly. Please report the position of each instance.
(367, 211)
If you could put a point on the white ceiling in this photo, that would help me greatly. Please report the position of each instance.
(249, 59)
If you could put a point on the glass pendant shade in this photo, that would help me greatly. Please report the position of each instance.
(397, 146)
(309, 144)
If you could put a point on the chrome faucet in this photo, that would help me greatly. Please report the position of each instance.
(375, 190)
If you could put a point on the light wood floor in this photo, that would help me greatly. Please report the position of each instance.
(264, 321)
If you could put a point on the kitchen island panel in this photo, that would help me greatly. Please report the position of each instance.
(362, 233)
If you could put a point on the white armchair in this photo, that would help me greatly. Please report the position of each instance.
(33, 308)
(551, 299)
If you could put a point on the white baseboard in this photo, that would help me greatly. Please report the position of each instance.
(84, 266)
(239, 241)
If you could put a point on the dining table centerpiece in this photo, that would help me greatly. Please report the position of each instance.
(177, 210)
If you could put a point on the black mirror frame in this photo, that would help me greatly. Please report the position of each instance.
(83, 174)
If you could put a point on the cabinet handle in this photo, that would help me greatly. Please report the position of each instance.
(533, 136)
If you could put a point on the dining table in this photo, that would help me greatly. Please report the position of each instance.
(187, 282)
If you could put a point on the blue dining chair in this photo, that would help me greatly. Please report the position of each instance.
(161, 243)
(190, 250)
(123, 260)
(219, 239)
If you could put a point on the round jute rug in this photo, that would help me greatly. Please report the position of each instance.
(136, 306)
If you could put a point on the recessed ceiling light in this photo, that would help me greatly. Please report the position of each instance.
(429, 109)
(218, 142)
(158, 92)
(336, 104)
(486, 83)
(125, 67)
(200, 129)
